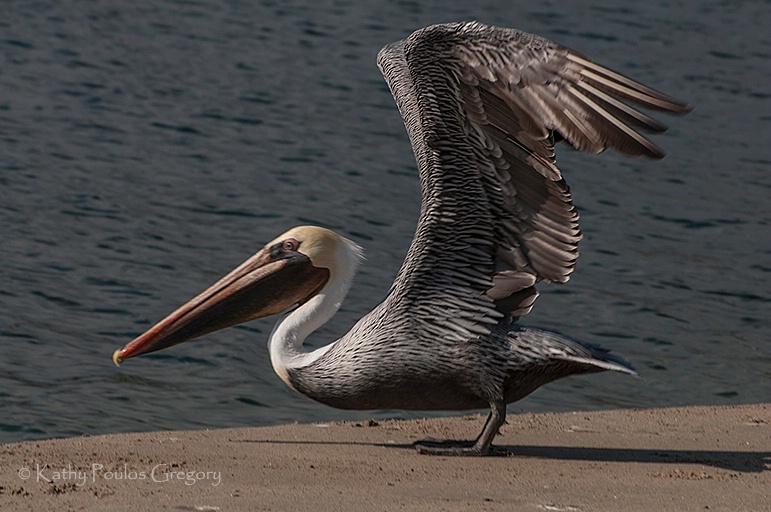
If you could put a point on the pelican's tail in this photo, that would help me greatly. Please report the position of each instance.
(584, 357)
(604, 359)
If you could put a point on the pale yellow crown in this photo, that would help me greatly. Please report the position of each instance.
(324, 247)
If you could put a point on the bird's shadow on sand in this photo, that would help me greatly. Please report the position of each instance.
(746, 462)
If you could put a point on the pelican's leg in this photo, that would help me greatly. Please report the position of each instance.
(483, 445)
(494, 422)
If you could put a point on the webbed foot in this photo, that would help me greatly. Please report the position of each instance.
(457, 448)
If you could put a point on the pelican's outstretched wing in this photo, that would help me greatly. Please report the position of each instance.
(483, 107)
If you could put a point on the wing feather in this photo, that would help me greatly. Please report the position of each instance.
(483, 107)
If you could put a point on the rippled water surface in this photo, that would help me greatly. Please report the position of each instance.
(146, 148)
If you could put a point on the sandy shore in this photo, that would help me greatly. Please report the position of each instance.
(698, 458)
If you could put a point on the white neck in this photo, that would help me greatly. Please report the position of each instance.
(285, 344)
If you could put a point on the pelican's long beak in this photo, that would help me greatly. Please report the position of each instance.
(265, 284)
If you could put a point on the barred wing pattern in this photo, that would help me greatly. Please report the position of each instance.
(483, 107)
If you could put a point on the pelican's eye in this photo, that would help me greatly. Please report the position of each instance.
(283, 249)
(290, 245)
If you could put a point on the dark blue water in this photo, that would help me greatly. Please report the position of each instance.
(146, 149)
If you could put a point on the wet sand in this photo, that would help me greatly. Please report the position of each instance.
(695, 458)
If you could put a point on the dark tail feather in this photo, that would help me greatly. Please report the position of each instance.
(591, 357)
(603, 358)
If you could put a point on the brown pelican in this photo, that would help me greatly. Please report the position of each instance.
(484, 107)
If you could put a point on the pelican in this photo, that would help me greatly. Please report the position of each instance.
(484, 107)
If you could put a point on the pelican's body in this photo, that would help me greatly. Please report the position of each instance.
(483, 107)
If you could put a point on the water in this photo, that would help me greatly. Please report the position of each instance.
(146, 149)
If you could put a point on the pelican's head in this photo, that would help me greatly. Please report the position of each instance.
(288, 271)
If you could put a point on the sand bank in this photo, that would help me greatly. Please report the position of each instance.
(696, 458)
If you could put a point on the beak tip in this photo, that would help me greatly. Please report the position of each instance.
(116, 357)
